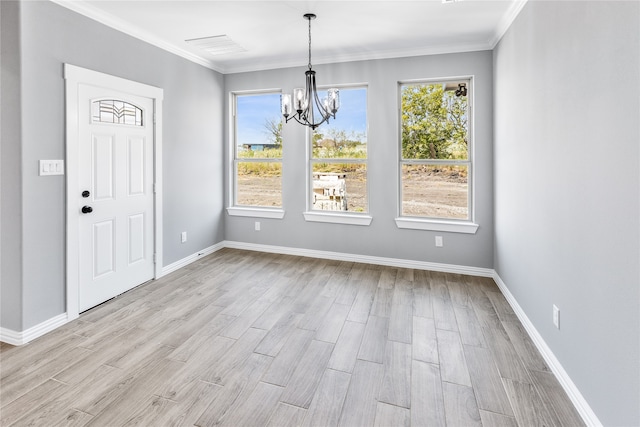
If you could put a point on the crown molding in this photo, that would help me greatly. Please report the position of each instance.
(111, 21)
(368, 56)
(506, 21)
(87, 10)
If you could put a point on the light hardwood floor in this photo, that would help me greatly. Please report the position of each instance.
(251, 339)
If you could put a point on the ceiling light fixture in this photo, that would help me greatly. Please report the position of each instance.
(462, 89)
(306, 102)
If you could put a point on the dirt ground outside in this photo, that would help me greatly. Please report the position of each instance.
(432, 193)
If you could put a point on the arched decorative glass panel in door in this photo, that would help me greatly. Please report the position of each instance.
(116, 112)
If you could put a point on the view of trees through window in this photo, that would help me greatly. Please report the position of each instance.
(435, 162)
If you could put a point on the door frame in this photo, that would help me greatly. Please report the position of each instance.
(75, 76)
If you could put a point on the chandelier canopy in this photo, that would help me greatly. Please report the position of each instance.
(307, 106)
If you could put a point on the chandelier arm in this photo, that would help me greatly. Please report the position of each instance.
(323, 111)
(314, 103)
(307, 104)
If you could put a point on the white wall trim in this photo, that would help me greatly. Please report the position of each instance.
(19, 338)
(506, 22)
(567, 384)
(582, 406)
(189, 259)
(86, 9)
(336, 217)
(254, 212)
(437, 225)
(365, 259)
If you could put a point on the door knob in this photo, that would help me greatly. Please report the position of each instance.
(87, 209)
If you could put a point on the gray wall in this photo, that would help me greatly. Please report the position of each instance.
(567, 189)
(382, 238)
(10, 155)
(50, 36)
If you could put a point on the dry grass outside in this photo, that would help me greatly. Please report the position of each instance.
(435, 193)
(259, 190)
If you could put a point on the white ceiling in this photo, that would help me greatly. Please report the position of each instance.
(274, 34)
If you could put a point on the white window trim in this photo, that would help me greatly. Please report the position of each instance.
(436, 225)
(338, 218)
(468, 226)
(255, 212)
(239, 210)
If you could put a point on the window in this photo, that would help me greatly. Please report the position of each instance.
(257, 147)
(339, 158)
(435, 156)
(116, 112)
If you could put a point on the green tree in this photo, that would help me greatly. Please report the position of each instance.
(434, 123)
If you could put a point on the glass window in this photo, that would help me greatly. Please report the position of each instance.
(257, 150)
(116, 112)
(339, 156)
(435, 161)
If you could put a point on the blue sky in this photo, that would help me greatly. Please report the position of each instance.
(253, 111)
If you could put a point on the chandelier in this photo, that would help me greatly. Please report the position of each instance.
(306, 103)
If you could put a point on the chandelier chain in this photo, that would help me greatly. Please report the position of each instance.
(305, 106)
(309, 43)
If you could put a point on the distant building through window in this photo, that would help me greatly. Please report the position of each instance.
(257, 149)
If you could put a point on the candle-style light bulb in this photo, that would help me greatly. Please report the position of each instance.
(285, 104)
(298, 99)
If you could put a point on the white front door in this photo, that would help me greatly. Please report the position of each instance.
(115, 197)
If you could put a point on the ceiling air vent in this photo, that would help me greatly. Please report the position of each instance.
(217, 45)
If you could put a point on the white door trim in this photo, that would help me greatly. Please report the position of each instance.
(73, 77)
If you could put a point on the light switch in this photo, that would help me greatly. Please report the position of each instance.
(51, 167)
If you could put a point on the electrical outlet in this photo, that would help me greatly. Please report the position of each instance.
(183, 236)
(439, 242)
(257, 226)
(556, 316)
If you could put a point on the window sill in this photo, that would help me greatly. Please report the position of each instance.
(437, 225)
(256, 212)
(338, 218)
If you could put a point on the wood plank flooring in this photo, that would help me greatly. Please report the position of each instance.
(243, 338)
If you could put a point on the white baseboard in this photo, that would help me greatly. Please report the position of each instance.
(583, 408)
(365, 259)
(569, 387)
(19, 338)
(191, 258)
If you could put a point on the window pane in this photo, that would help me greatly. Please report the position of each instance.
(435, 121)
(436, 191)
(339, 187)
(258, 135)
(258, 126)
(259, 184)
(346, 135)
(116, 112)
